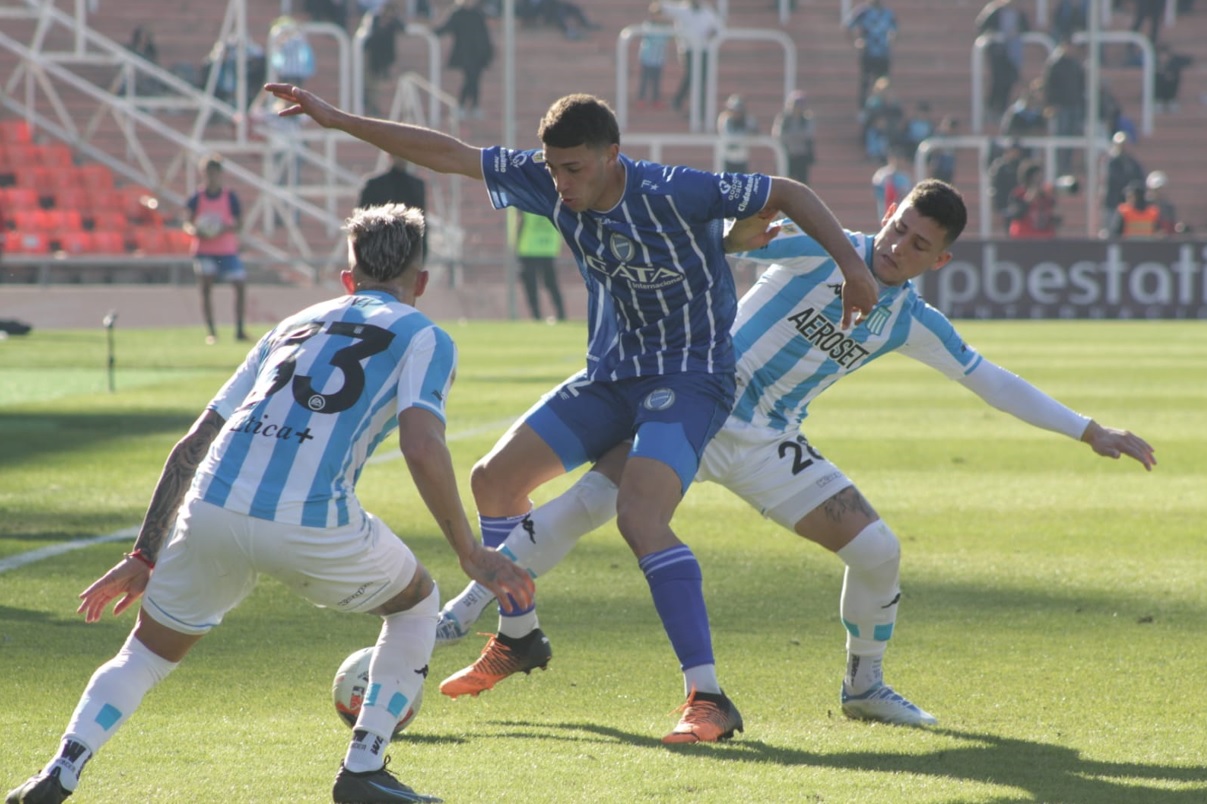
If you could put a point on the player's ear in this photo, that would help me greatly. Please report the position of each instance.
(345, 278)
(944, 258)
(421, 279)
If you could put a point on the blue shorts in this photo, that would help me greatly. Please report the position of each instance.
(226, 266)
(670, 418)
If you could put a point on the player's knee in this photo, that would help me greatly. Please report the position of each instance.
(874, 546)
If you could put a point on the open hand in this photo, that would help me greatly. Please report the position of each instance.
(1112, 443)
(127, 579)
(303, 102)
(511, 585)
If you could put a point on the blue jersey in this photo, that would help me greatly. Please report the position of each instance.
(789, 344)
(313, 399)
(661, 297)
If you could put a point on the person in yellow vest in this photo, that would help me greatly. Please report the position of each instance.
(1135, 217)
(538, 242)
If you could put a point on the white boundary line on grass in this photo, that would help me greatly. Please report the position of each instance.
(21, 559)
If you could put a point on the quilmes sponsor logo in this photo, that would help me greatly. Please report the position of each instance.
(823, 333)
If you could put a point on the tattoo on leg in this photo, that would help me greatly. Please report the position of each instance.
(846, 501)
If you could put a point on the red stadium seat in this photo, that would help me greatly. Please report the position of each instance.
(32, 176)
(32, 220)
(19, 198)
(55, 155)
(17, 242)
(106, 200)
(111, 220)
(15, 131)
(75, 241)
(57, 219)
(109, 241)
(150, 240)
(96, 176)
(72, 197)
(179, 241)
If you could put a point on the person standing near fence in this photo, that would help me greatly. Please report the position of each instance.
(215, 217)
(538, 242)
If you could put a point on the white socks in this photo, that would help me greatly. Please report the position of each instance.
(542, 540)
(396, 675)
(113, 693)
(870, 592)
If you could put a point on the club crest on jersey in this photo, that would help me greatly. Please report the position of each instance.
(518, 159)
(877, 320)
(622, 248)
(659, 399)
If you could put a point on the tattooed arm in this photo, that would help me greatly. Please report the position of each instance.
(129, 577)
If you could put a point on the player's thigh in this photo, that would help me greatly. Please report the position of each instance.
(675, 418)
(203, 572)
(352, 568)
(206, 268)
(580, 420)
(784, 478)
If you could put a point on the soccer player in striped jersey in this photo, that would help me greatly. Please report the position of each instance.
(265, 482)
(791, 348)
(648, 242)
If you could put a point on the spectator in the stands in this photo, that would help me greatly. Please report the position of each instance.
(1064, 96)
(1008, 21)
(379, 29)
(941, 160)
(736, 125)
(1123, 169)
(651, 55)
(1031, 208)
(872, 27)
(1167, 79)
(793, 126)
(1167, 215)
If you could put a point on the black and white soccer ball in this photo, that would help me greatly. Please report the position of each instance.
(349, 687)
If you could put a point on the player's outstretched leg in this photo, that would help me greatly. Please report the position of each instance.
(373, 786)
(44, 788)
(503, 656)
(706, 718)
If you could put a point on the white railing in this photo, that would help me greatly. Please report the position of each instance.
(697, 115)
(1049, 146)
(1148, 62)
(712, 143)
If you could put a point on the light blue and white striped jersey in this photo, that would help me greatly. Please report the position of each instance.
(661, 297)
(313, 399)
(790, 346)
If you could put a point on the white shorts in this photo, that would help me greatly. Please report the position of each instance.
(779, 474)
(214, 557)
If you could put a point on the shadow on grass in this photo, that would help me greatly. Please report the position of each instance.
(28, 435)
(1045, 772)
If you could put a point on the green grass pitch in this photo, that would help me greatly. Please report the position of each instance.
(1054, 614)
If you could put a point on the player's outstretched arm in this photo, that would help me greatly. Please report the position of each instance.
(421, 438)
(427, 147)
(1012, 394)
(801, 204)
(1112, 443)
(128, 578)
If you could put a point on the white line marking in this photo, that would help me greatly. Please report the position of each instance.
(21, 559)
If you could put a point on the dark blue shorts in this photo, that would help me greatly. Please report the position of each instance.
(670, 418)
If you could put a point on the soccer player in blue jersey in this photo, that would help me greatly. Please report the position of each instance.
(647, 240)
(264, 482)
(791, 348)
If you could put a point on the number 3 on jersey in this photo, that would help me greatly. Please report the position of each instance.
(370, 340)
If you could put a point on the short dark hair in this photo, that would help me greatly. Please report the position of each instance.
(579, 119)
(942, 203)
(386, 239)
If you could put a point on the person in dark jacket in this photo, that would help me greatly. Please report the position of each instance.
(472, 50)
(396, 185)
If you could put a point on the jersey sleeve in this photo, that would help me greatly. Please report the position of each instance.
(791, 246)
(428, 368)
(237, 389)
(518, 179)
(934, 341)
(725, 195)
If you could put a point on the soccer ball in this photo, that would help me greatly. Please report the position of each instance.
(349, 687)
(208, 226)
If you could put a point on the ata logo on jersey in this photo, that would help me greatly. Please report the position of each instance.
(659, 399)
